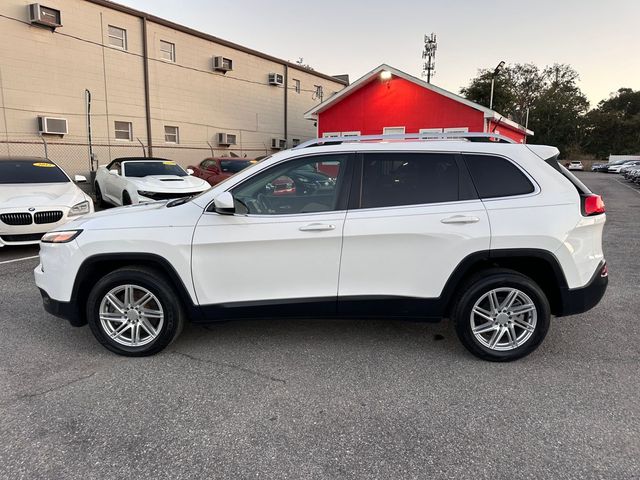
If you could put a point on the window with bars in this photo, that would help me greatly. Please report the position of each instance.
(117, 37)
(167, 51)
(171, 134)
(124, 131)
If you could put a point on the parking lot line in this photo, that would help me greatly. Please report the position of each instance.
(18, 259)
(625, 185)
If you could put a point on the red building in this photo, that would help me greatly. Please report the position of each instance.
(387, 100)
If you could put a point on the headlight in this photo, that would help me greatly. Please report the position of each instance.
(145, 193)
(64, 236)
(79, 209)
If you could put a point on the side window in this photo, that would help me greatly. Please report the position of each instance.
(305, 185)
(394, 179)
(497, 177)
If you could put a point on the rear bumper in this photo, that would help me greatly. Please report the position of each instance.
(579, 300)
(66, 310)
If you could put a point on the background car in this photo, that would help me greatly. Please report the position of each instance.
(629, 165)
(215, 170)
(132, 180)
(36, 196)
(615, 167)
(599, 167)
(575, 165)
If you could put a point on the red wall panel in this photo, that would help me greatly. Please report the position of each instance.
(507, 131)
(396, 103)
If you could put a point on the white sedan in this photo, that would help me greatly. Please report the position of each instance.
(132, 180)
(36, 196)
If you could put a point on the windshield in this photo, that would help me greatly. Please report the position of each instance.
(31, 171)
(142, 169)
(234, 166)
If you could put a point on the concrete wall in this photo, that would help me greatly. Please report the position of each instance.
(45, 72)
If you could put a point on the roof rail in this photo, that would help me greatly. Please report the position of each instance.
(469, 136)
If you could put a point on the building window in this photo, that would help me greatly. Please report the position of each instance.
(295, 142)
(171, 134)
(354, 133)
(124, 131)
(393, 130)
(167, 51)
(296, 85)
(117, 37)
(330, 134)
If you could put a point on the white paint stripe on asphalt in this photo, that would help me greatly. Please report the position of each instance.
(19, 259)
(629, 187)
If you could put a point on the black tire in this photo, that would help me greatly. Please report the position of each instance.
(99, 199)
(154, 282)
(126, 199)
(480, 285)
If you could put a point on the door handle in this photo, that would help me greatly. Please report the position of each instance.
(317, 227)
(460, 219)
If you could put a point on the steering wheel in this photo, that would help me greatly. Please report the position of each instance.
(262, 204)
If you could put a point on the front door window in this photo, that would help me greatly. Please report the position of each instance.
(306, 185)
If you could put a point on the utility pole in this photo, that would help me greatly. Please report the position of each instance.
(429, 55)
(493, 79)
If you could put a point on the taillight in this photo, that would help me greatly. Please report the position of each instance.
(592, 205)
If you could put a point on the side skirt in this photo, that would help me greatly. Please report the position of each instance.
(375, 306)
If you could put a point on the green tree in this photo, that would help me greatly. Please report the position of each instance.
(614, 125)
(556, 114)
(551, 97)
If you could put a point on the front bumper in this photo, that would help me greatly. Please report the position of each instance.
(65, 310)
(580, 300)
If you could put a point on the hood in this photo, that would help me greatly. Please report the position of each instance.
(169, 183)
(142, 215)
(25, 195)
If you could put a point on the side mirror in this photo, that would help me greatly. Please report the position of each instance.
(190, 171)
(224, 204)
(80, 179)
(113, 172)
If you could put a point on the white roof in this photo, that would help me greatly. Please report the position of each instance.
(362, 81)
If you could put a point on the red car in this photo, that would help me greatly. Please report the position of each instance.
(214, 170)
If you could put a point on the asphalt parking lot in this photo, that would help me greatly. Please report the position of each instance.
(327, 399)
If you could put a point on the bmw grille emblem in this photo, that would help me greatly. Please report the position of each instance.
(32, 209)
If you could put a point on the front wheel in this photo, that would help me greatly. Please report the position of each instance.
(134, 312)
(501, 316)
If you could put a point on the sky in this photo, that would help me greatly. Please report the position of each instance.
(600, 39)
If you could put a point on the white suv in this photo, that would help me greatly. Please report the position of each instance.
(497, 236)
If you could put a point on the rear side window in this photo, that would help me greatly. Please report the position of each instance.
(395, 179)
(497, 177)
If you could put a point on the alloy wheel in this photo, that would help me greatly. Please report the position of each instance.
(503, 319)
(131, 315)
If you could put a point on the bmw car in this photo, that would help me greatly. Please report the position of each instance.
(36, 196)
(132, 180)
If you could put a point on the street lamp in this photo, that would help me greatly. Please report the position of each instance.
(493, 78)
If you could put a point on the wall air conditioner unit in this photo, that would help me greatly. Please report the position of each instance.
(276, 79)
(52, 126)
(226, 139)
(278, 143)
(45, 16)
(222, 64)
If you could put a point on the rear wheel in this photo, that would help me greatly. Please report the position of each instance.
(501, 316)
(134, 312)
